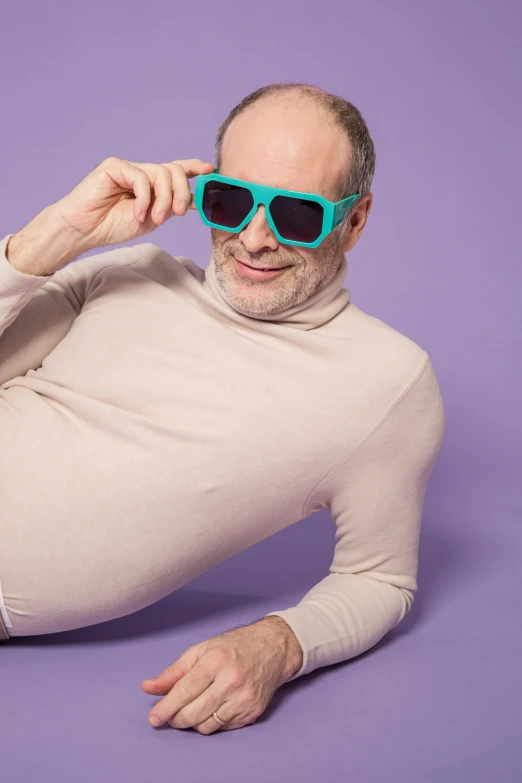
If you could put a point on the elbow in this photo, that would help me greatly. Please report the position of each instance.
(407, 598)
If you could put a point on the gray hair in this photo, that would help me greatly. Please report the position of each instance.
(359, 175)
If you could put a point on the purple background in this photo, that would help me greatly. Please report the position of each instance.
(438, 699)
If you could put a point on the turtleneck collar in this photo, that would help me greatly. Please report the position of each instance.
(315, 311)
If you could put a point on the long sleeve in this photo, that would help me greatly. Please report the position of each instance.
(18, 348)
(375, 496)
(36, 312)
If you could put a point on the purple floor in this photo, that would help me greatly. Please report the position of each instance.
(437, 700)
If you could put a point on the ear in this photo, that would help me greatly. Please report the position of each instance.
(356, 222)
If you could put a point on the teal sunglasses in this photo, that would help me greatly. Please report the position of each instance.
(296, 218)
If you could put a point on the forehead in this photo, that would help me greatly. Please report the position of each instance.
(286, 144)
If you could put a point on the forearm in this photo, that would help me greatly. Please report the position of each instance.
(44, 245)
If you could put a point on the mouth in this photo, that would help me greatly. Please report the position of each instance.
(258, 273)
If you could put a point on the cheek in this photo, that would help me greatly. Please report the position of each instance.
(220, 234)
(306, 258)
(218, 237)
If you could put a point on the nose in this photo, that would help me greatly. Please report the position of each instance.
(257, 234)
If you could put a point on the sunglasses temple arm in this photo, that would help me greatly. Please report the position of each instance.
(341, 208)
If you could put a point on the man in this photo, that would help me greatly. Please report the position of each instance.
(157, 418)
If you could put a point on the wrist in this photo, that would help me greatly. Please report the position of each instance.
(43, 245)
(292, 650)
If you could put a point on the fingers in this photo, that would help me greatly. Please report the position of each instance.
(167, 679)
(182, 171)
(193, 166)
(173, 195)
(130, 177)
(162, 187)
(182, 192)
(169, 676)
(199, 713)
(172, 192)
(194, 683)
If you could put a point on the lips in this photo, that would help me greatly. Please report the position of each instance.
(261, 268)
(257, 273)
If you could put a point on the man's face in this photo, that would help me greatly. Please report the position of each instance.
(283, 144)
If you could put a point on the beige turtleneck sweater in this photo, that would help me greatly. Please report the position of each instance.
(149, 430)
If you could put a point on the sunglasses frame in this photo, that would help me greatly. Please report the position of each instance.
(333, 211)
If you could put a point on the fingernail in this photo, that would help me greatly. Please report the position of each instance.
(154, 721)
(141, 216)
(183, 205)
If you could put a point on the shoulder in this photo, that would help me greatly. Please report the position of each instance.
(388, 361)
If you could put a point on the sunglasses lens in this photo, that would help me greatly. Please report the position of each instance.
(297, 219)
(227, 205)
